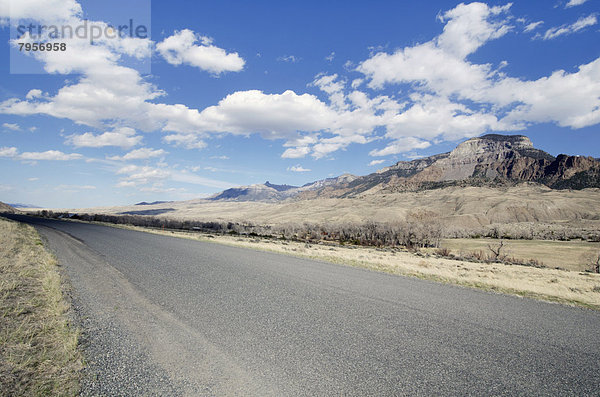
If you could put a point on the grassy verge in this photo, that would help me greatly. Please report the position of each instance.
(553, 285)
(38, 346)
(570, 255)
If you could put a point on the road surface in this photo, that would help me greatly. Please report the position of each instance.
(170, 316)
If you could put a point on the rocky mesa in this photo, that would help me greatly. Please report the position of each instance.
(489, 160)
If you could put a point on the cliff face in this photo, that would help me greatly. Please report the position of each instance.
(485, 160)
(572, 172)
(489, 159)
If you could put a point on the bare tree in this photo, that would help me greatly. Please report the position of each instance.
(497, 250)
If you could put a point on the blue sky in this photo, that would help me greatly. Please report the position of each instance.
(233, 92)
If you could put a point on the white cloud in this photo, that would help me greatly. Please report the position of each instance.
(12, 126)
(140, 175)
(51, 155)
(32, 129)
(181, 48)
(578, 25)
(35, 93)
(400, 146)
(573, 3)
(330, 57)
(330, 145)
(8, 152)
(125, 183)
(219, 157)
(332, 87)
(124, 137)
(140, 154)
(532, 26)
(188, 141)
(440, 65)
(136, 176)
(431, 116)
(75, 187)
(33, 179)
(376, 162)
(274, 116)
(295, 153)
(357, 83)
(444, 95)
(157, 188)
(289, 58)
(55, 155)
(43, 10)
(298, 168)
(453, 98)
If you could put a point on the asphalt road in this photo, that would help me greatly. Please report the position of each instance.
(169, 316)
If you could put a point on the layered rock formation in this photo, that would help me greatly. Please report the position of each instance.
(488, 160)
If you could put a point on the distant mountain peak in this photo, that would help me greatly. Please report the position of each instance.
(279, 188)
(514, 139)
(488, 159)
(491, 143)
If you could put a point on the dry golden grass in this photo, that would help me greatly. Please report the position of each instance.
(563, 286)
(38, 346)
(570, 255)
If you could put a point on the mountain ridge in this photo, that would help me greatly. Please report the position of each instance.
(488, 160)
(7, 209)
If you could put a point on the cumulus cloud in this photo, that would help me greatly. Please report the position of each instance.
(51, 155)
(124, 137)
(140, 154)
(188, 141)
(454, 98)
(297, 152)
(443, 95)
(11, 126)
(182, 48)
(42, 10)
(8, 152)
(576, 26)
(35, 93)
(298, 168)
(400, 146)
(376, 162)
(274, 116)
(140, 175)
(440, 64)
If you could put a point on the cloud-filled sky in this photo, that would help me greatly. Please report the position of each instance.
(234, 92)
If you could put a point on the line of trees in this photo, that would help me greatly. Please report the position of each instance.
(418, 231)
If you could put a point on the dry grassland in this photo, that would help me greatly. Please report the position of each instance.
(38, 346)
(456, 207)
(570, 255)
